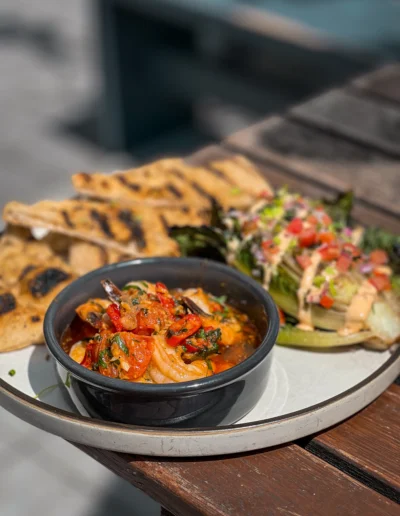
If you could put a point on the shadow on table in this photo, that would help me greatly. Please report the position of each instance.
(122, 499)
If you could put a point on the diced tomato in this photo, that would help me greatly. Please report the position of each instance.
(148, 320)
(326, 220)
(326, 237)
(269, 247)
(282, 318)
(303, 260)
(265, 194)
(307, 237)
(295, 226)
(183, 328)
(165, 297)
(115, 315)
(140, 351)
(326, 301)
(380, 282)
(330, 252)
(312, 219)
(378, 257)
(343, 263)
(351, 249)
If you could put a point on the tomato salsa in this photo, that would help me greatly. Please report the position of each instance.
(148, 333)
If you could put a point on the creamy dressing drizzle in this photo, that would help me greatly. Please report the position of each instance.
(304, 314)
(356, 235)
(285, 239)
(359, 308)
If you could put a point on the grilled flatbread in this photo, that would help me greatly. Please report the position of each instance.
(156, 184)
(133, 231)
(31, 276)
(242, 173)
(233, 183)
(85, 257)
(17, 255)
(20, 326)
(39, 285)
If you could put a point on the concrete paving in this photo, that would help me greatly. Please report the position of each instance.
(49, 77)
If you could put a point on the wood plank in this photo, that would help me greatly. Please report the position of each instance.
(279, 176)
(323, 159)
(285, 481)
(367, 445)
(384, 83)
(359, 118)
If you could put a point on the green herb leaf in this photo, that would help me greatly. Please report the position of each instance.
(318, 281)
(332, 289)
(68, 380)
(236, 190)
(135, 287)
(220, 300)
(117, 339)
(12, 372)
(340, 208)
(46, 390)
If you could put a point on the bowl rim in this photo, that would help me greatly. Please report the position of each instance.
(170, 389)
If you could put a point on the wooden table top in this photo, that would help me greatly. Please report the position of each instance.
(346, 137)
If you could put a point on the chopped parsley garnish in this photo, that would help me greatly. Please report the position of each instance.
(101, 362)
(332, 289)
(12, 372)
(117, 339)
(135, 287)
(46, 390)
(319, 281)
(220, 300)
(68, 380)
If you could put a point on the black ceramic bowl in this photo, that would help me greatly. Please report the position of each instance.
(220, 399)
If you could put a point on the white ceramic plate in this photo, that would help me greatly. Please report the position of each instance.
(307, 392)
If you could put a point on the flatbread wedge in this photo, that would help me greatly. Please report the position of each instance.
(135, 231)
(244, 175)
(157, 184)
(17, 255)
(31, 276)
(20, 326)
(233, 182)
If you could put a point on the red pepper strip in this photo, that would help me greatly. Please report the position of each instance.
(190, 348)
(180, 330)
(115, 315)
(88, 359)
(165, 297)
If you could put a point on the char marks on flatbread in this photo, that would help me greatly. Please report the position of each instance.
(233, 182)
(157, 184)
(21, 326)
(132, 231)
(31, 276)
